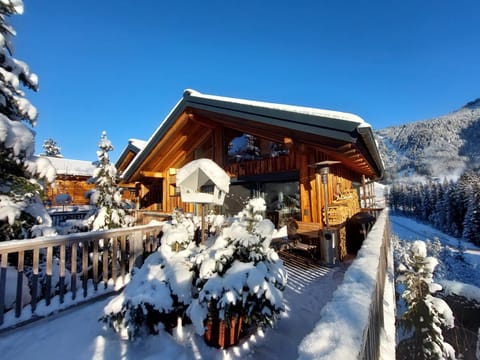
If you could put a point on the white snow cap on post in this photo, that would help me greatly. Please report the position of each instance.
(203, 181)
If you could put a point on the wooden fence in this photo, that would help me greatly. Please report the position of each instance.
(62, 216)
(99, 258)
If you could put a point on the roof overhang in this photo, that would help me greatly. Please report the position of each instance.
(346, 137)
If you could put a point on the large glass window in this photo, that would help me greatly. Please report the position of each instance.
(248, 147)
(282, 199)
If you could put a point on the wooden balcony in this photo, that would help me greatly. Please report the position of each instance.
(324, 288)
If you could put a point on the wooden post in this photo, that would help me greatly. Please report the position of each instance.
(364, 192)
(319, 196)
(202, 230)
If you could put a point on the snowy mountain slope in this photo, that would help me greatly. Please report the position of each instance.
(435, 148)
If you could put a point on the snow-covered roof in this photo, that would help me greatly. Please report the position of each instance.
(71, 166)
(134, 146)
(139, 144)
(282, 107)
(338, 126)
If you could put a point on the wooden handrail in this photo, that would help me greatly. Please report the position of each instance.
(93, 257)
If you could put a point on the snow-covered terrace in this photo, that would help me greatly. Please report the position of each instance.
(332, 313)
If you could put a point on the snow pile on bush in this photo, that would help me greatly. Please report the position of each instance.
(234, 273)
(240, 274)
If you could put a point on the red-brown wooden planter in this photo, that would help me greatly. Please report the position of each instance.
(223, 333)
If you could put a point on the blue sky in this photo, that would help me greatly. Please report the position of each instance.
(120, 66)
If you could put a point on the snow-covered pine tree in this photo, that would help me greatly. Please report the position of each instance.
(471, 222)
(240, 274)
(107, 198)
(425, 315)
(51, 148)
(22, 214)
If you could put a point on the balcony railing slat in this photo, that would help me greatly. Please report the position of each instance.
(95, 265)
(114, 259)
(85, 268)
(123, 257)
(106, 247)
(19, 295)
(73, 271)
(61, 284)
(36, 255)
(48, 277)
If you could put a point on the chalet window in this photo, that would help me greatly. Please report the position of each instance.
(248, 147)
(283, 201)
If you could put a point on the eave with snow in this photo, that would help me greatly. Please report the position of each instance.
(203, 126)
(133, 147)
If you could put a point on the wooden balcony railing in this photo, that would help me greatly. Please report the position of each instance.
(62, 216)
(91, 261)
(263, 166)
(359, 297)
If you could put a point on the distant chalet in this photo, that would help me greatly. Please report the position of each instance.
(72, 176)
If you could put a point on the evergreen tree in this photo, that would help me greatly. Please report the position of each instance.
(109, 212)
(51, 148)
(22, 214)
(450, 210)
(443, 202)
(471, 223)
(426, 315)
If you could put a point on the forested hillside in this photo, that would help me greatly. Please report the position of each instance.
(441, 147)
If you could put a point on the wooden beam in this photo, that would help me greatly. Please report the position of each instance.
(350, 152)
(344, 148)
(152, 174)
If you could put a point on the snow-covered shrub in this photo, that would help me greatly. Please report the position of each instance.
(233, 273)
(179, 232)
(161, 289)
(158, 293)
(425, 315)
(72, 226)
(42, 279)
(239, 273)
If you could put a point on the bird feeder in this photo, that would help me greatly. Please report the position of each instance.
(203, 182)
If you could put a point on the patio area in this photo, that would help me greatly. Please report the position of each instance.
(77, 334)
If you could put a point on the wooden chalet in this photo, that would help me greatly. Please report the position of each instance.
(271, 150)
(71, 179)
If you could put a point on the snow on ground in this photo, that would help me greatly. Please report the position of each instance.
(77, 333)
(409, 229)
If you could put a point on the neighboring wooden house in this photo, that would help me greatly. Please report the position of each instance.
(271, 150)
(72, 176)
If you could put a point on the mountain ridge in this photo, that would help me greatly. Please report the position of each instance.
(440, 147)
